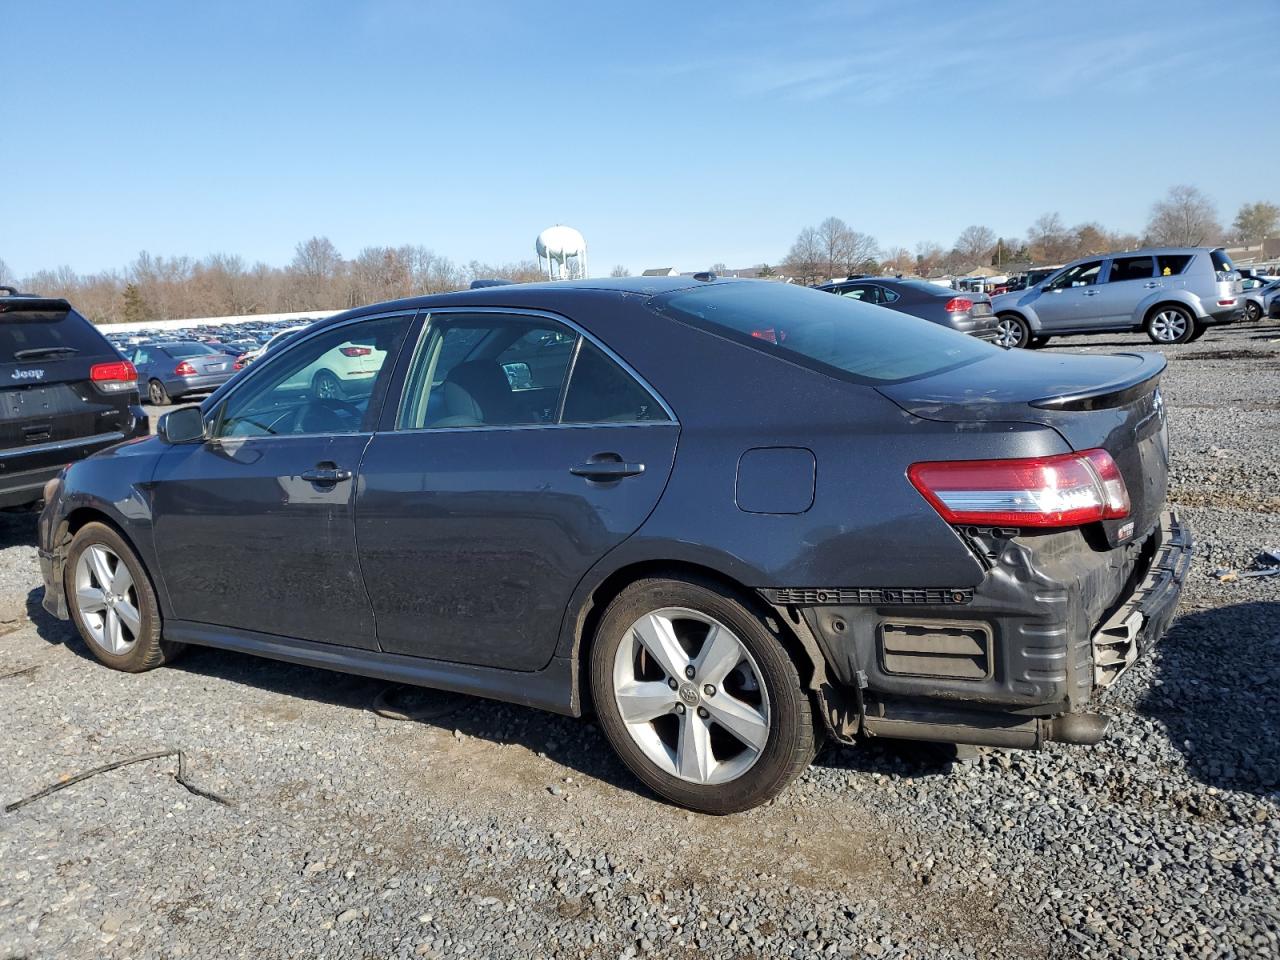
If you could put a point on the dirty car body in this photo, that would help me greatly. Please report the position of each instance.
(797, 450)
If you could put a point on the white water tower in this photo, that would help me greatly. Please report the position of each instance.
(564, 251)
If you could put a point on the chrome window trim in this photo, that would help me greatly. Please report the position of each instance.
(301, 338)
(536, 314)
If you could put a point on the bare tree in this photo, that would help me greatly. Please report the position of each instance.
(1047, 239)
(619, 271)
(1184, 218)
(5, 276)
(1254, 223)
(929, 256)
(974, 244)
(806, 259)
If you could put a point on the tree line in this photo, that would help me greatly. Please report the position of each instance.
(1184, 218)
(320, 278)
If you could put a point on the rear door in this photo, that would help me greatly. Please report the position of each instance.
(47, 395)
(521, 454)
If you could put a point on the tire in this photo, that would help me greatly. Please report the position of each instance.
(1252, 312)
(677, 740)
(326, 386)
(1197, 333)
(1012, 331)
(1037, 342)
(1170, 323)
(97, 554)
(157, 394)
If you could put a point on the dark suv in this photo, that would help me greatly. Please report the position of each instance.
(64, 394)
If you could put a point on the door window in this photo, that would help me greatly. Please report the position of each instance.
(324, 384)
(862, 291)
(1172, 264)
(1131, 268)
(600, 391)
(1081, 275)
(487, 370)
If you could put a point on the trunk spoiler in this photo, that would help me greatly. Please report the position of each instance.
(1112, 393)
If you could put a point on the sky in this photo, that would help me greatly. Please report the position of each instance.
(670, 134)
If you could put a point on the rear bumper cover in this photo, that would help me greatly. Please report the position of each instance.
(1021, 658)
(25, 470)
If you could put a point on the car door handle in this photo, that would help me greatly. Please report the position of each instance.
(1091, 293)
(605, 470)
(326, 473)
(1151, 284)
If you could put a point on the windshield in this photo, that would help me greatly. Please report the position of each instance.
(835, 335)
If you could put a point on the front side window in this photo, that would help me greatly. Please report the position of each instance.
(1131, 268)
(1081, 275)
(320, 385)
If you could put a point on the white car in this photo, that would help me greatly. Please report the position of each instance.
(345, 371)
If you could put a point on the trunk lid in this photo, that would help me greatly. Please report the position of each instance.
(1112, 402)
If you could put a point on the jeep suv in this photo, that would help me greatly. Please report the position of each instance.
(64, 393)
(1171, 293)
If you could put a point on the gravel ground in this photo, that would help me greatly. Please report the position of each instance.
(501, 832)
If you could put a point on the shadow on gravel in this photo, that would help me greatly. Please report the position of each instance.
(1219, 695)
(17, 529)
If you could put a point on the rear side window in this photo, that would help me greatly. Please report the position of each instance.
(1172, 264)
(1221, 262)
(834, 335)
(44, 334)
(1130, 268)
(600, 391)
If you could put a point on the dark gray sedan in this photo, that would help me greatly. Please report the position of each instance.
(966, 312)
(169, 371)
(729, 517)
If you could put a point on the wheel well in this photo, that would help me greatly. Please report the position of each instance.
(1016, 316)
(780, 626)
(1151, 310)
(80, 516)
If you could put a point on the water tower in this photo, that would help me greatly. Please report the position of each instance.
(564, 251)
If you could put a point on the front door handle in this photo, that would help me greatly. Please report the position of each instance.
(603, 471)
(1151, 284)
(1091, 293)
(327, 473)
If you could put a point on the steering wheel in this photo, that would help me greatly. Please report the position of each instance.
(333, 412)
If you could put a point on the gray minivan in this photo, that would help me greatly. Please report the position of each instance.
(1171, 293)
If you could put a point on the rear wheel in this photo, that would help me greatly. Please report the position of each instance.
(1012, 331)
(698, 697)
(157, 394)
(326, 386)
(112, 601)
(1170, 324)
(1252, 312)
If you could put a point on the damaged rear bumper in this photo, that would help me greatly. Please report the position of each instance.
(1014, 662)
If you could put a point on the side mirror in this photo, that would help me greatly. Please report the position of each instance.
(184, 425)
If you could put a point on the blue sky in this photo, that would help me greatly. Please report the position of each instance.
(669, 134)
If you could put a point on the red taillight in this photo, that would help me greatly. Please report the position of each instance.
(1063, 491)
(355, 351)
(184, 369)
(770, 335)
(958, 305)
(240, 363)
(115, 377)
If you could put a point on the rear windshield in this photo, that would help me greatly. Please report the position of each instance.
(180, 351)
(1221, 262)
(22, 331)
(835, 335)
(924, 286)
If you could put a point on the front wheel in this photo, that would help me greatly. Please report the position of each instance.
(698, 697)
(326, 386)
(112, 602)
(1012, 331)
(1170, 324)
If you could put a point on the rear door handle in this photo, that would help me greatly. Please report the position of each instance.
(1151, 284)
(1091, 293)
(326, 473)
(605, 470)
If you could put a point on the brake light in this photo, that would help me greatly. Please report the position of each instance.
(184, 369)
(1062, 491)
(240, 363)
(770, 335)
(958, 305)
(355, 351)
(115, 377)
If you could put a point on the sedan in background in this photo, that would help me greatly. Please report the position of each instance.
(1255, 294)
(874, 526)
(964, 312)
(168, 371)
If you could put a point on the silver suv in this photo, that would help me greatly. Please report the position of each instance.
(1173, 293)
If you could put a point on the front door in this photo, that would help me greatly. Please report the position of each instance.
(521, 454)
(254, 527)
(1129, 281)
(1065, 302)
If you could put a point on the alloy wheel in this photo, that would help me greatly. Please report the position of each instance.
(107, 600)
(691, 696)
(327, 387)
(1008, 332)
(1169, 326)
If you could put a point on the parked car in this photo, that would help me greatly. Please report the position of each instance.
(966, 312)
(852, 539)
(1254, 293)
(64, 394)
(1172, 293)
(1271, 303)
(270, 343)
(172, 370)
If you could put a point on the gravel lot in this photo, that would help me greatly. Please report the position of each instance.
(500, 832)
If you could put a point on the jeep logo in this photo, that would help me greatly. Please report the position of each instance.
(28, 375)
